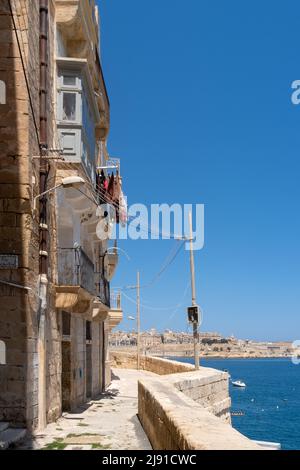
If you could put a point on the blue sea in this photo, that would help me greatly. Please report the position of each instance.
(270, 402)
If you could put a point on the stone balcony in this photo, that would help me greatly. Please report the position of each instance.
(78, 15)
(75, 287)
(115, 315)
(79, 289)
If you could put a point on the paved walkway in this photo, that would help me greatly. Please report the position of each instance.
(110, 422)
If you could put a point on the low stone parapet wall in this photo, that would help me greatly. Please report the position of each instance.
(157, 365)
(184, 409)
(173, 421)
(208, 387)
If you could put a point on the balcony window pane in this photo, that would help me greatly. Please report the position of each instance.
(2, 92)
(2, 353)
(69, 106)
(69, 80)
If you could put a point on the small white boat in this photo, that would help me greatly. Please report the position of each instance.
(238, 383)
(269, 445)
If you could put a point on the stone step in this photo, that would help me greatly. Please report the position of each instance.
(3, 426)
(11, 436)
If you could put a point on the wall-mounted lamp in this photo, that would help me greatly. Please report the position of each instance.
(69, 182)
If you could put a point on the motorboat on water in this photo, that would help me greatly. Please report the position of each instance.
(238, 383)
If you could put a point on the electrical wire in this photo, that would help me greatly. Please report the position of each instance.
(177, 308)
(164, 268)
(87, 196)
(21, 31)
(25, 75)
(158, 275)
(149, 307)
(99, 191)
(167, 263)
(104, 196)
(56, 139)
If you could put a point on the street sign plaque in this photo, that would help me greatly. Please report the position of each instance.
(9, 262)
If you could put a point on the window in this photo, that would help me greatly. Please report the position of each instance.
(76, 118)
(69, 80)
(70, 141)
(66, 324)
(69, 102)
(2, 353)
(2, 92)
(61, 44)
(69, 106)
(88, 331)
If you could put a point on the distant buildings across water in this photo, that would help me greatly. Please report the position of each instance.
(210, 343)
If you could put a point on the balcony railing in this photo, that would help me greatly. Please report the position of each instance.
(115, 301)
(76, 269)
(116, 313)
(103, 290)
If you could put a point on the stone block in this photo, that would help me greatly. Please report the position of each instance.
(7, 219)
(16, 373)
(15, 357)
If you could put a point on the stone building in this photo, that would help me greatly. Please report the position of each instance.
(55, 273)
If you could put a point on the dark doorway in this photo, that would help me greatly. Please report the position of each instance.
(103, 356)
(88, 370)
(88, 360)
(66, 375)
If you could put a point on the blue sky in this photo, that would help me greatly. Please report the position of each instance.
(201, 112)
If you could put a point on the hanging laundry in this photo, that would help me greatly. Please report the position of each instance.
(111, 188)
(123, 209)
(114, 196)
(102, 185)
(117, 195)
(103, 181)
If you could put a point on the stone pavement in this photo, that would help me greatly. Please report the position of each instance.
(109, 422)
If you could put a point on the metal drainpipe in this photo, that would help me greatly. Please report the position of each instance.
(43, 227)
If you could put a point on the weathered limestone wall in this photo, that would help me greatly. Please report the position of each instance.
(173, 421)
(96, 368)
(18, 231)
(152, 364)
(101, 356)
(107, 361)
(207, 387)
(78, 358)
(53, 331)
(54, 366)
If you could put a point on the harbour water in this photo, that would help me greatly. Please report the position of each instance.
(268, 409)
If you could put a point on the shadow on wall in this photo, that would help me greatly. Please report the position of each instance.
(12, 383)
(15, 221)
